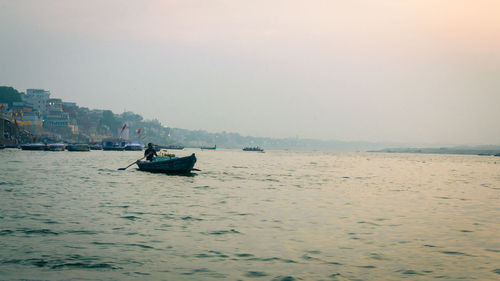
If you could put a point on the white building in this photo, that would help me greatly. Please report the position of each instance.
(38, 99)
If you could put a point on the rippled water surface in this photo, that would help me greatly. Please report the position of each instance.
(277, 215)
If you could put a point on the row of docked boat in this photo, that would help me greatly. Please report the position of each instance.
(110, 146)
(79, 147)
(121, 146)
(107, 145)
(55, 147)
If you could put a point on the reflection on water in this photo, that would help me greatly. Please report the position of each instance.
(264, 216)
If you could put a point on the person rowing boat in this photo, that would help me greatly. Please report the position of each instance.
(150, 152)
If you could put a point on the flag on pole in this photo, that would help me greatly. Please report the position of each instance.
(123, 134)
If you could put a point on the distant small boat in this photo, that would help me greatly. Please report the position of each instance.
(168, 165)
(209, 147)
(33, 146)
(13, 146)
(56, 146)
(253, 148)
(95, 147)
(113, 145)
(134, 146)
(78, 147)
(172, 146)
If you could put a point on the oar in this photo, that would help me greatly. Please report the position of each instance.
(121, 169)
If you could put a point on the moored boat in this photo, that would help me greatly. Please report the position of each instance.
(12, 146)
(209, 147)
(55, 146)
(168, 165)
(134, 146)
(95, 147)
(113, 145)
(78, 147)
(33, 146)
(253, 148)
(172, 146)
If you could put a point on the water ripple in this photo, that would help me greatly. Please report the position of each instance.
(278, 216)
(221, 232)
(255, 274)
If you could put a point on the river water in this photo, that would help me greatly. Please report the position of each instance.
(278, 216)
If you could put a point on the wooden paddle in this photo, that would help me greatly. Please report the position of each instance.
(121, 169)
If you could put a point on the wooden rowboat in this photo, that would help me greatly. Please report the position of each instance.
(168, 165)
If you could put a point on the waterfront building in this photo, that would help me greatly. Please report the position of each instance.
(69, 104)
(38, 99)
(55, 116)
(31, 120)
(54, 105)
(56, 119)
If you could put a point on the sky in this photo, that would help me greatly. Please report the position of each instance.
(411, 71)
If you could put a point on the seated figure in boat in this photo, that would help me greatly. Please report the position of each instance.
(150, 152)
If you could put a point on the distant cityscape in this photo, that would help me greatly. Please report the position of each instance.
(36, 116)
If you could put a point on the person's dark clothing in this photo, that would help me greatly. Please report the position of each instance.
(150, 153)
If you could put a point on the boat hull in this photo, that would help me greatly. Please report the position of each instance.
(181, 165)
(38, 147)
(113, 145)
(113, 148)
(171, 147)
(78, 147)
(55, 148)
(209, 147)
(133, 148)
(258, 149)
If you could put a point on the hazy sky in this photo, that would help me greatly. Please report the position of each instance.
(372, 70)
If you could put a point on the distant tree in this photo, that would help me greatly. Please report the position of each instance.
(130, 116)
(9, 95)
(109, 119)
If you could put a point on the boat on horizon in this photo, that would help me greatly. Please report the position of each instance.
(168, 164)
(209, 147)
(253, 148)
(171, 146)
